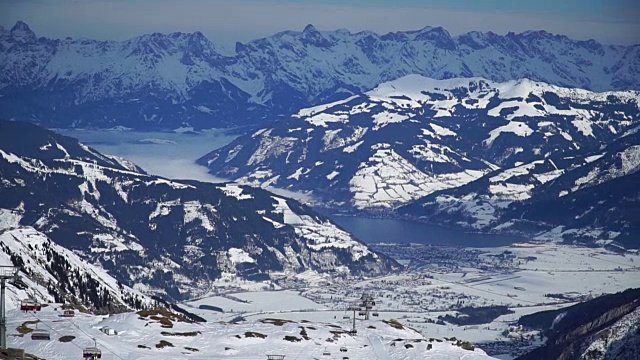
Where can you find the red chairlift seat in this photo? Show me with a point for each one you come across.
(30, 305)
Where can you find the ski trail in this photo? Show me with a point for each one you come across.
(378, 348)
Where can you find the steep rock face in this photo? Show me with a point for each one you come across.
(416, 136)
(173, 80)
(169, 237)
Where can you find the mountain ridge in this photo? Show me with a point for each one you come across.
(422, 135)
(176, 238)
(166, 81)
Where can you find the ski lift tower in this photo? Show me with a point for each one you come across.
(353, 330)
(6, 273)
(367, 304)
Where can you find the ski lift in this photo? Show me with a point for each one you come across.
(68, 313)
(362, 313)
(92, 352)
(30, 305)
(346, 317)
(326, 353)
(343, 349)
(375, 314)
(40, 334)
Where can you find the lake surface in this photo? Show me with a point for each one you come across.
(404, 231)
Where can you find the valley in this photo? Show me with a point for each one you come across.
(446, 272)
(320, 194)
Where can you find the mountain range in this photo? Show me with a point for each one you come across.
(167, 81)
(161, 237)
(468, 153)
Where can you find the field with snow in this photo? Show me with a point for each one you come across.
(440, 281)
(163, 336)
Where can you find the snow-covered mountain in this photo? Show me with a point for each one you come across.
(414, 136)
(51, 273)
(592, 198)
(178, 79)
(172, 238)
(607, 327)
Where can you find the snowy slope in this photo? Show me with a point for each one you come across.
(179, 79)
(591, 198)
(414, 136)
(160, 236)
(141, 337)
(51, 273)
(602, 328)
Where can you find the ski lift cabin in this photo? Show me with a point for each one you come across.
(92, 352)
(30, 305)
(40, 334)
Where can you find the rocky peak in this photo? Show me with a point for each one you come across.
(438, 35)
(311, 36)
(22, 33)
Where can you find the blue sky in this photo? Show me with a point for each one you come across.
(227, 21)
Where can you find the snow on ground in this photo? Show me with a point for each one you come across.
(233, 190)
(320, 234)
(145, 337)
(386, 179)
(515, 127)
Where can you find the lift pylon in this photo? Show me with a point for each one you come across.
(6, 273)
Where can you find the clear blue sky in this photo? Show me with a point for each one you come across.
(226, 21)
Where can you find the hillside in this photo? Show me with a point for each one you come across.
(415, 136)
(606, 327)
(164, 237)
(592, 198)
(165, 336)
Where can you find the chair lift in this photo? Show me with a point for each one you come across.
(92, 352)
(30, 304)
(375, 314)
(40, 334)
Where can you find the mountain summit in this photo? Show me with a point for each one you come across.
(166, 81)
